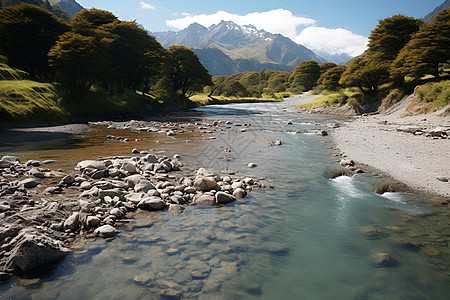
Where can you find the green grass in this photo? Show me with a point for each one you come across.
(203, 99)
(430, 97)
(332, 98)
(8, 73)
(24, 100)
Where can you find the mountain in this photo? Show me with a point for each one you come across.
(72, 7)
(339, 59)
(65, 9)
(227, 48)
(428, 18)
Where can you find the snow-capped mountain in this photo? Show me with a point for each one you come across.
(228, 48)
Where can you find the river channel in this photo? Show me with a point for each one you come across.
(310, 237)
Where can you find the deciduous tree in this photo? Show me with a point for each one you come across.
(305, 74)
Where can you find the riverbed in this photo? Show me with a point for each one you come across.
(310, 237)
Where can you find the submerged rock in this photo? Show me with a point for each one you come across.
(224, 198)
(106, 231)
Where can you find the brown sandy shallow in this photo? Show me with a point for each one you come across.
(416, 160)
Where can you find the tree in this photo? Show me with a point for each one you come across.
(330, 79)
(185, 70)
(134, 56)
(79, 61)
(427, 51)
(366, 73)
(326, 66)
(391, 35)
(88, 20)
(27, 33)
(305, 74)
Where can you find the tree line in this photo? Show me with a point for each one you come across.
(96, 50)
(399, 47)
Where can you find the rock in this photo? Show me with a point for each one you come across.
(151, 204)
(150, 158)
(85, 185)
(409, 129)
(98, 174)
(135, 151)
(111, 193)
(237, 184)
(68, 179)
(36, 173)
(205, 200)
(106, 231)
(4, 276)
(92, 164)
(4, 207)
(323, 133)
(117, 213)
(443, 179)
(249, 181)
(33, 163)
(5, 164)
(34, 250)
(252, 165)
(47, 161)
(129, 168)
(113, 172)
(72, 222)
(384, 260)
(133, 180)
(346, 162)
(143, 186)
(289, 122)
(175, 209)
(224, 198)
(11, 159)
(29, 183)
(438, 132)
(205, 184)
(134, 198)
(171, 133)
(239, 193)
(92, 221)
(337, 173)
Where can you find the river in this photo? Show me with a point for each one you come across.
(310, 237)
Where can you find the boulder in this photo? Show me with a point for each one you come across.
(133, 180)
(53, 190)
(36, 173)
(239, 193)
(68, 179)
(106, 231)
(144, 186)
(72, 222)
(29, 183)
(205, 184)
(11, 159)
(34, 250)
(117, 213)
(224, 198)
(205, 200)
(346, 162)
(91, 164)
(134, 198)
(150, 158)
(151, 204)
(128, 168)
(85, 185)
(92, 221)
(252, 165)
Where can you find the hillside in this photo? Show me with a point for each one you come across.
(227, 48)
(428, 18)
(70, 6)
(65, 9)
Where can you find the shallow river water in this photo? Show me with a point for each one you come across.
(309, 237)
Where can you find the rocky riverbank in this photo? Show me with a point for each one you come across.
(43, 211)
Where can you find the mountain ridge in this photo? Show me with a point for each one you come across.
(247, 48)
(429, 17)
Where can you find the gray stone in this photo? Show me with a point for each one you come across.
(29, 183)
(33, 163)
(252, 165)
(346, 162)
(36, 173)
(68, 179)
(239, 193)
(72, 222)
(92, 221)
(134, 198)
(205, 184)
(117, 213)
(111, 193)
(144, 186)
(106, 231)
(135, 151)
(85, 185)
(53, 190)
(205, 200)
(11, 159)
(442, 178)
(224, 198)
(35, 250)
(133, 180)
(175, 209)
(150, 158)
(129, 168)
(113, 172)
(92, 164)
(151, 204)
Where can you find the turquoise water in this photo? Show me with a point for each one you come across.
(308, 238)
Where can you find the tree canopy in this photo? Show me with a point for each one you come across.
(27, 33)
(427, 51)
(305, 74)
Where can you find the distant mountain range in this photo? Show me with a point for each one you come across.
(227, 48)
(65, 9)
(428, 18)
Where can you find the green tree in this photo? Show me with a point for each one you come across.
(366, 73)
(330, 79)
(185, 70)
(305, 74)
(79, 61)
(27, 33)
(87, 21)
(326, 66)
(428, 50)
(391, 35)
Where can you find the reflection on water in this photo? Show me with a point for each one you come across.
(309, 238)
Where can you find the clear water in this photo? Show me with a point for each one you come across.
(308, 238)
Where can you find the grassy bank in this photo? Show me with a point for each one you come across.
(430, 97)
(203, 99)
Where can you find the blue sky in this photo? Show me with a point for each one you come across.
(330, 25)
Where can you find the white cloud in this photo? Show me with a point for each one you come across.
(145, 5)
(274, 21)
(332, 41)
(284, 22)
